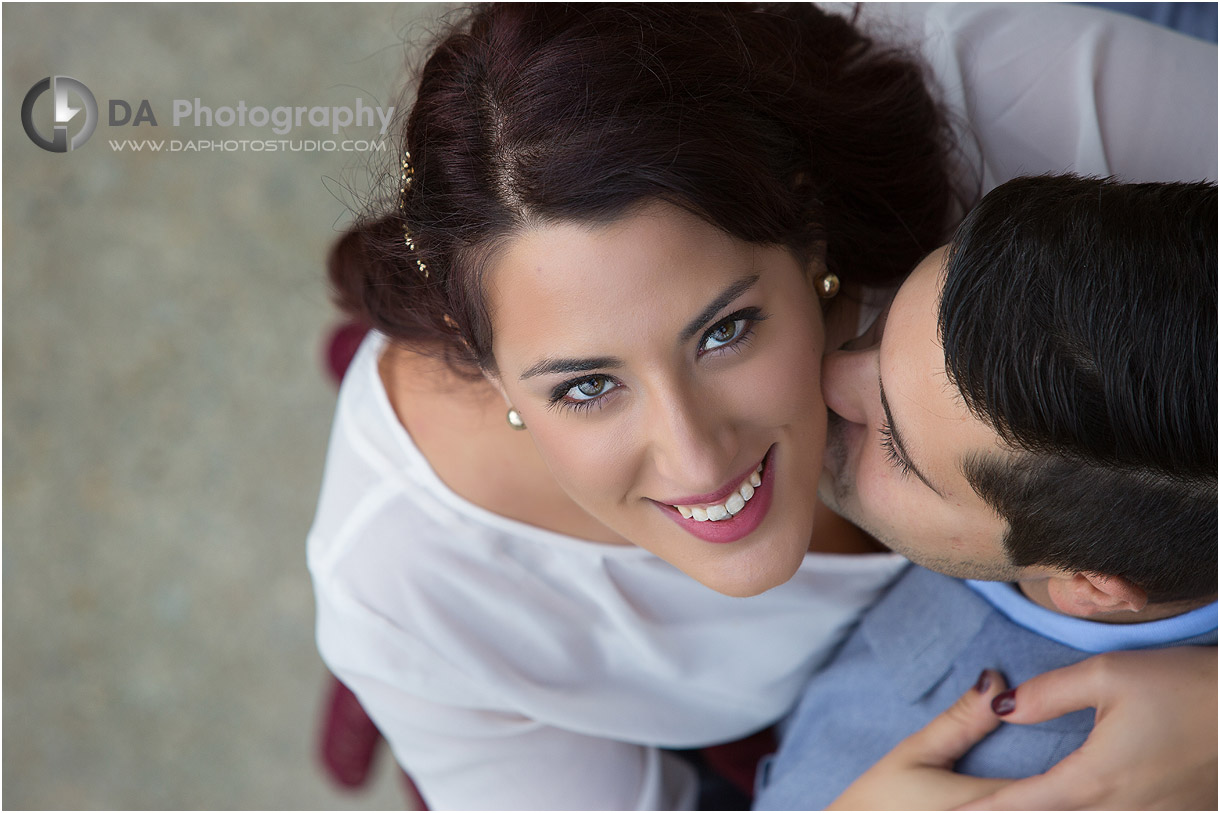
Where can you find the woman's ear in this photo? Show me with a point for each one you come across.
(494, 379)
(815, 264)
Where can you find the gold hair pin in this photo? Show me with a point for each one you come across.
(408, 175)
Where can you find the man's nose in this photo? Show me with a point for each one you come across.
(849, 382)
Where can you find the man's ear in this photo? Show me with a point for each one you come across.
(1088, 594)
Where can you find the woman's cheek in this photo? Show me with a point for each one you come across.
(589, 459)
(789, 380)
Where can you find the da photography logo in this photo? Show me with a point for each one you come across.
(63, 89)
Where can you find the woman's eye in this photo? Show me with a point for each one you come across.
(583, 393)
(724, 333)
(590, 388)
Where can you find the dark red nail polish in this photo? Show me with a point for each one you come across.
(1004, 703)
(984, 682)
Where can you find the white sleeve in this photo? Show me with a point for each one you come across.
(465, 751)
(470, 759)
(1056, 87)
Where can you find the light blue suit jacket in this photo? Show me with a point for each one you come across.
(914, 653)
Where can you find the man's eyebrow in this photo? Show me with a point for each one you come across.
(899, 446)
(550, 366)
(716, 305)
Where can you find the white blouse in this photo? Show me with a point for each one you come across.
(511, 667)
(1050, 87)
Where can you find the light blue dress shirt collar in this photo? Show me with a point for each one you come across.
(1092, 636)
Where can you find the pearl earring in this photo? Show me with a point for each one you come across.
(827, 285)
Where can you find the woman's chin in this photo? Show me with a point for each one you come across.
(739, 589)
(746, 576)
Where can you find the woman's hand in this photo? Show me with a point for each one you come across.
(1152, 747)
(918, 773)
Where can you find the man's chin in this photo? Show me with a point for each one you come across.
(837, 498)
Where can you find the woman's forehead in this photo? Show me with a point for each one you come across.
(579, 284)
(651, 251)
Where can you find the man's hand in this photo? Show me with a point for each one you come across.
(918, 773)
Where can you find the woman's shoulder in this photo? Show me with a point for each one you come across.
(450, 420)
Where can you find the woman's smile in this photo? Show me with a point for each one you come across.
(741, 487)
(730, 515)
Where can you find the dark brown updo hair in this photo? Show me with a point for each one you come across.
(778, 124)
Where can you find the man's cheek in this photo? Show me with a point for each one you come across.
(878, 485)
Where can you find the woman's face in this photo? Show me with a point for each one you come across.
(658, 363)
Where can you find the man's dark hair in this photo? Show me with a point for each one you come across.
(1079, 321)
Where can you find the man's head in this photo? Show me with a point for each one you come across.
(1039, 404)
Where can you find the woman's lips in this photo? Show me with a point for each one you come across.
(719, 495)
(739, 524)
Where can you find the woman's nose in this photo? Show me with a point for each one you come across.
(849, 382)
(694, 443)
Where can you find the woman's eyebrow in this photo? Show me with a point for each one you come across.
(548, 366)
(728, 294)
(716, 305)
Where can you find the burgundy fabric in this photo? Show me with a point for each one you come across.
(341, 347)
(738, 761)
(349, 738)
(348, 744)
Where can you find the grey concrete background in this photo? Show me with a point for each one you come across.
(165, 410)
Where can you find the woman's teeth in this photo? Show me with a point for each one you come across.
(733, 505)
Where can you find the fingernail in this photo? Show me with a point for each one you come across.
(1004, 703)
(984, 682)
